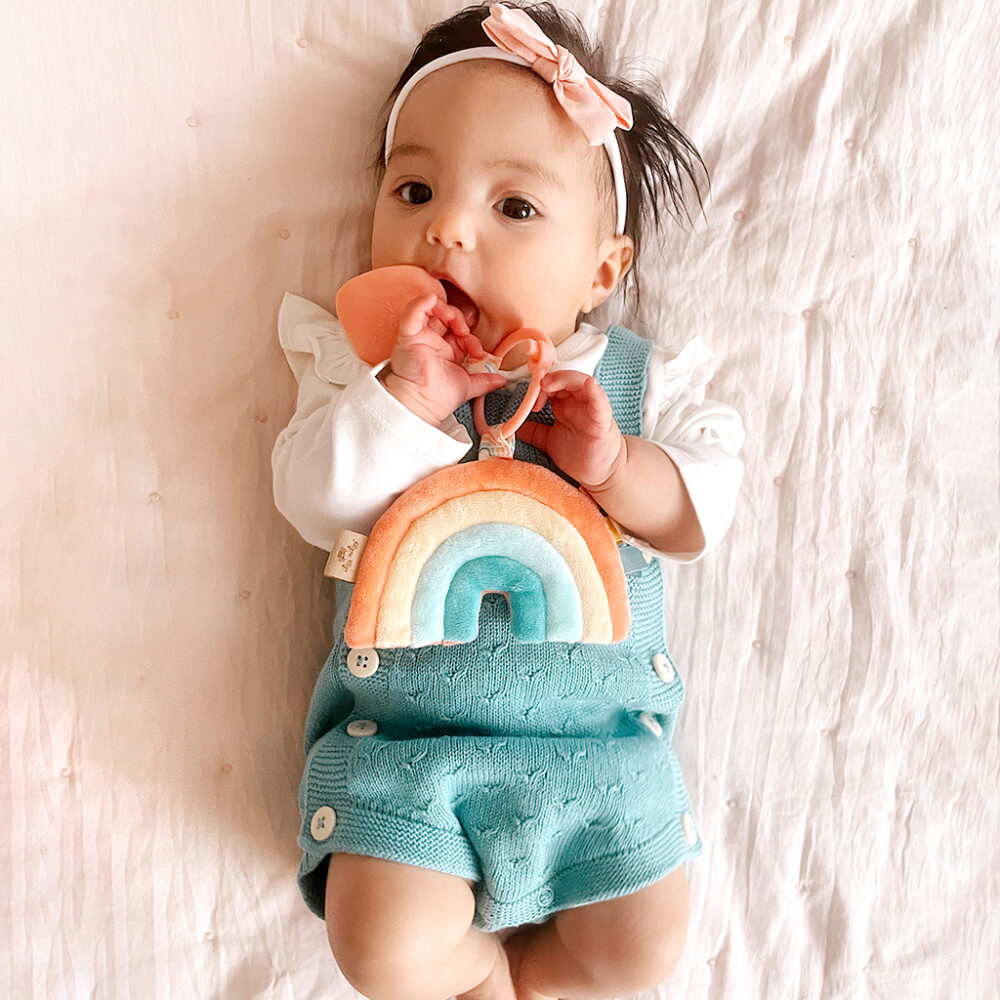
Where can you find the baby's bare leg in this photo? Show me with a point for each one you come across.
(609, 949)
(399, 932)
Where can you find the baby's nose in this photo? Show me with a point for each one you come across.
(451, 228)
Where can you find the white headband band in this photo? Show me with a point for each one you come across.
(491, 52)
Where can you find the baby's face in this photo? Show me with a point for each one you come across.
(462, 195)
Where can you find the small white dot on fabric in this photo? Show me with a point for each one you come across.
(738, 216)
(209, 935)
(875, 410)
(849, 143)
(731, 803)
(756, 644)
(66, 772)
(824, 732)
(192, 122)
(807, 313)
(711, 963)
(302, 43)
(778, 480)
(912, 242)
(850, 574)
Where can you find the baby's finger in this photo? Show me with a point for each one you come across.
(436, 326)
(456, 333)
(481, 383)
(472, 345)
(415, 315)
(451, 317)
(535, 433)
(565, 380)
(560, 384)
(580, 393)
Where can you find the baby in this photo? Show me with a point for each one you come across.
(454, 791)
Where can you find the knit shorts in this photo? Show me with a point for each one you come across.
(545, 772)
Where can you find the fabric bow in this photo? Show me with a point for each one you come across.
(597, 110)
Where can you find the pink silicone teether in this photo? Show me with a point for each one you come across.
(369, 306)
(498, 441)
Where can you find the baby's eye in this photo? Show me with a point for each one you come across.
(418, 199)
(520, 209)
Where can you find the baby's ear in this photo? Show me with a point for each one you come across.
(614, 261)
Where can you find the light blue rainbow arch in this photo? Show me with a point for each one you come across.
(502, 557)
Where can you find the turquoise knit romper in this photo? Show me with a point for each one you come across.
(544, 771)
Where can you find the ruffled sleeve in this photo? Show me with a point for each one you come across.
(701, 436)
(350, 448)
(314, 339)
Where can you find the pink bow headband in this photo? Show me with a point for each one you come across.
(597, 110)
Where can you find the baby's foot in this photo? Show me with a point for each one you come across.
(497, 985)
(515, 946)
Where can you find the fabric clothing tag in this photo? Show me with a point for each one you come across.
(345, 555)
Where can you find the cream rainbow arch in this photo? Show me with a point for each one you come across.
(492, 525)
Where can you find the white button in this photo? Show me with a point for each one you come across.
(662, 666)
(361, 727)
(362, 662)
(650, 722)
(323, 822)
(690, 833)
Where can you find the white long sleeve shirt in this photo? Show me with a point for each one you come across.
(351, 447)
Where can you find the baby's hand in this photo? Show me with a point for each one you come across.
(585, 441)
(425, 371)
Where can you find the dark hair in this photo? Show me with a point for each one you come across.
(654, 151)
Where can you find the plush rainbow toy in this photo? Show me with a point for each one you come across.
(496, 525)
(493, 525)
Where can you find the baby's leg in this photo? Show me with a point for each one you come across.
(399, 932)
(609, 949)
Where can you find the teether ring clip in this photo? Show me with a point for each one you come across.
(498, 442)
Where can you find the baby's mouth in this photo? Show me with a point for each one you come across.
(462, 302)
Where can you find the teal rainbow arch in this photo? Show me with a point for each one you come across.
(496, 556)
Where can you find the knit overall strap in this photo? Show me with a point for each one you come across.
(622, 373)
